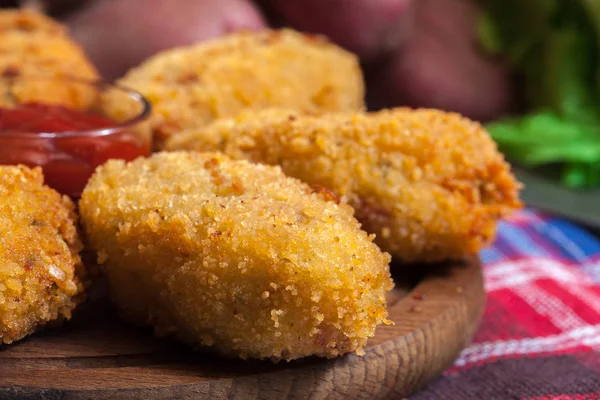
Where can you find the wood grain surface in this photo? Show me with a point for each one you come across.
(95, 356)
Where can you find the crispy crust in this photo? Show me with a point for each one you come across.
(32, 44)
(191, 86)
(29, 21)
(40, 269)
(235, 255)
(431, 185)
(33, 54)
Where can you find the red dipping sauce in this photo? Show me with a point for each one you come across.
(67, 143)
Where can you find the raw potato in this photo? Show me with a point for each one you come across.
(192, 86)
(442, 67)
(40, 269)
(431, 185)
(138, 30)
(235, 255)
(369, 28)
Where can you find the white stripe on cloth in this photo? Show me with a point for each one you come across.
(586, 335)
(590, 298)
(592, 269)
(551, 307)
(513, 273)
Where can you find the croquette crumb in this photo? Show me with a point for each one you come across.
(263, 277)
(25, 20)
(33, 44)
(246, 70)
(429, 184)
(40, 269)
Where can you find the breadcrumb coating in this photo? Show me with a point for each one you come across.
(191, 86)
(235, 255)
(40, 269)
(430, 184)
(25, 20)
(31, 53)
(32, 44)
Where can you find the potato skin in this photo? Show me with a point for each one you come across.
(41, 273)
(441, 66)
(192, 86)
(234, 255)
(429, 184)
(369, 28)
(139, 30)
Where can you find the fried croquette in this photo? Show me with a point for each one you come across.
(33, 45)
(191, 86)
(431, 185)
(235, 255)
(41, 273)
(31, 54)
(25, 20)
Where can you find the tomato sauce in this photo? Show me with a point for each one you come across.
(70, 159)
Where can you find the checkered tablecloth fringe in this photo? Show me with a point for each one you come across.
(540, 334)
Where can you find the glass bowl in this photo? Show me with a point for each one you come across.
(68, 127)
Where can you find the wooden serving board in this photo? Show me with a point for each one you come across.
(96, 356)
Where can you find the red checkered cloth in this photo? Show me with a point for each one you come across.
(540, 334)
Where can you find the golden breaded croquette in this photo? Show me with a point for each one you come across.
(235, 255)
(40, 269)
(430, 184)
(25, 20)
(32, 44)
(191, 86)
(34, 54)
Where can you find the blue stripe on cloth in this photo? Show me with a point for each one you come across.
(501, 249)
(491, 255)
(574, 242)
(520, 241)
(541, 237)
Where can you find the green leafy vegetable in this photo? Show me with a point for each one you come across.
(554, 45)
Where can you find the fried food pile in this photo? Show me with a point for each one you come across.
(41, 274)
(32, 44)
(429, 184)
(264, 225)
(192, 86)
(235, 255)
